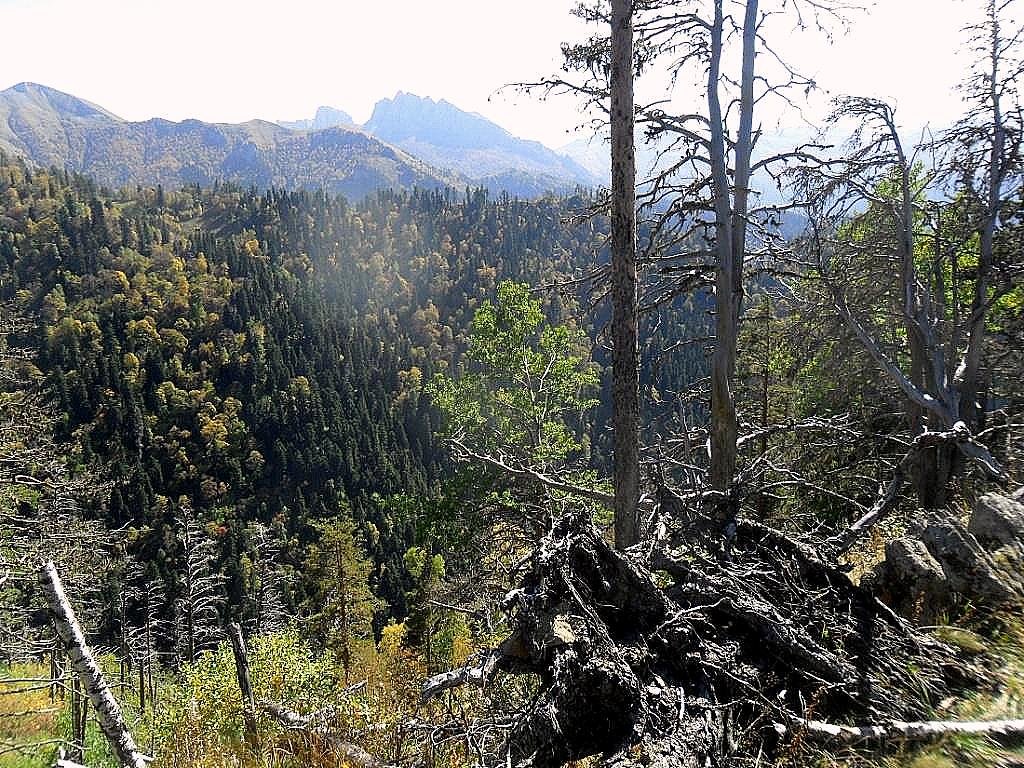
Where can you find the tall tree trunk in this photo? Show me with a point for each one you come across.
(933, 467)
(730, 248)
(625, 356)
(723, 408)
(70, 632)
(970, 383)
(744, 148)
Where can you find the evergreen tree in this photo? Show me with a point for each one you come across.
(340, 607)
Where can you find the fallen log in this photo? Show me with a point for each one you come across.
(892, 730)
(287, 717)
(63, 762)
(349, 753)
(506, 657)
(108, 711)
(475, 674)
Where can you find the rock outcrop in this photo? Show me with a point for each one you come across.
(945, 562)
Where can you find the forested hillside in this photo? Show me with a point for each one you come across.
(409, 142)
(48, 127)
(673, 474)
(259, 357)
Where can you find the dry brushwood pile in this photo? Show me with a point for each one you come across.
(703, 651)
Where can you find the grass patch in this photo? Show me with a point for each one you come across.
(964, 639)
(33, 727)
(1003, 637)
(28, 719)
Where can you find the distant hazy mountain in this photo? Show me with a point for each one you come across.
(52, 128)
(48, 126)
(481, 151)
(593, 153)
(326, 117)
(409, 141)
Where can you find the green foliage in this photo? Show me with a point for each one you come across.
(439, 635)
(260, 353)
(527, 383)
(199, 721)
(263, 354)
(26, 717)
(340, 606)
(427, 574)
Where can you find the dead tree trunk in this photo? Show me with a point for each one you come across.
(896, 729)
(241, 654)
(993, 204)
(625, 350)
(79, 714)
(723, 406)
(70, 632)
(142, 685)
(730, 207)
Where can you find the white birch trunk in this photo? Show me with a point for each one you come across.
(70, 632)
(898, 729)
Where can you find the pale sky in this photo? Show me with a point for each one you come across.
(233, 60)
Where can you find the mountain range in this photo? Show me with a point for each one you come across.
(408, 142)
(473, 147)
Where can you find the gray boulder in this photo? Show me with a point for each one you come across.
(910, 580)
(998, 521)
(908, 561)
(937, 567)
(969, 568)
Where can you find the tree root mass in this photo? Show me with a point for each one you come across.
(695, 657)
